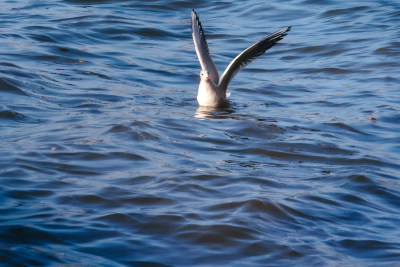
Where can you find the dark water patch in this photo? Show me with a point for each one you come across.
(70, 52)
(368, 249)
(85, 19)
(312, 49)
(351, 199)
(116, 32)
(88, 201)
(121, 219)
(170, 224)
(337, 126)
(33, 256)
(254, 206)
(12, 70)
(194, 189)
(128, 132)
(344, 11)
(127, 156)
(153, 33)
(31, 194)
(318, 148)
(136, 180)
(260, 181)
(216, 235)
(52, 59)
(88, 97)
(392, 119)
(307, 157)
(15, 174)
(323, 200)
(10, 86)
(146, 264)
(90, 107)
(9, 115)
(119, 129)
(334, 52)
(8, 65)
(88, 235)
(53, 167)
(22, 235)
(47, 38)
(89, 1)
(382, 79)
(258, 130)
(334, 70)
(386, 195)
(326, 104)
(389, 50)
(90, 156)
(91, 73)
(147, 200)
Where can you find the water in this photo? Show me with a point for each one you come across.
(106, 160)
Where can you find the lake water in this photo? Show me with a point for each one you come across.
(106, 159)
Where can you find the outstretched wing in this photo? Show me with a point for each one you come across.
(202, 51)
(249, 55)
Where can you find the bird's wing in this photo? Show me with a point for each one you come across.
(202, 51)
(249, 55)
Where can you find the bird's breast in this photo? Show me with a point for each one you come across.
(209, 95)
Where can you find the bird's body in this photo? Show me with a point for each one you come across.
(212, 88)
(210, 94)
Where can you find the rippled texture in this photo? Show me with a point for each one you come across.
(106, 160)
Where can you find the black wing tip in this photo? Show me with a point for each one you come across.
(196, 21)
(278, 35)
(284, 31)
(287, 29)
(194, 15)
(195, 18)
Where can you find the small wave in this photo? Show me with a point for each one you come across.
(334, 70)
(344, 11)
(9, 115)
(9, 86)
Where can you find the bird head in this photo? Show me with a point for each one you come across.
(204, 75)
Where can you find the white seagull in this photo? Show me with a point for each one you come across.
(212, 89)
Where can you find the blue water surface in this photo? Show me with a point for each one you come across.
(107, 160)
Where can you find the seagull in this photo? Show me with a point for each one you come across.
(212, 88)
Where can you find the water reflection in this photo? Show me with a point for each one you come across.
(203, 113)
